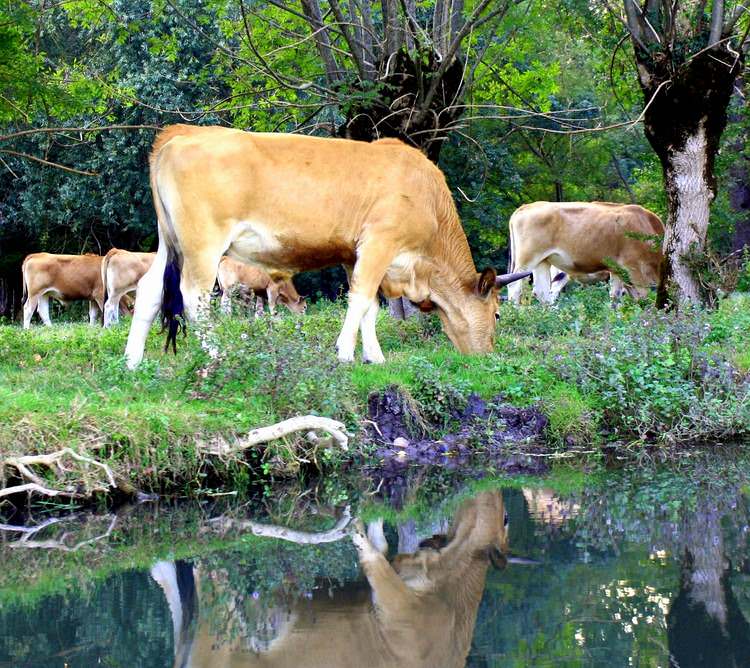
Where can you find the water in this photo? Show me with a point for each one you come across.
(625, 574)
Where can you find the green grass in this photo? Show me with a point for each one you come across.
(599, 374)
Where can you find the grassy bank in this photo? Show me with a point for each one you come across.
(630, 378)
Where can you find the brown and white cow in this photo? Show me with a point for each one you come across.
(64, 278)
(121, 270)
(291, 203)
(267, 291)
(417, 610)
(584, 238)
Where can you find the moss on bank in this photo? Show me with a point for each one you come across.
(631, 376)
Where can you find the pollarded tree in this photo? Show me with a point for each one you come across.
(687, 60)
(387, 68)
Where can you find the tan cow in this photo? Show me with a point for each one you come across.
(585, 238)
(64, 278)
(417, 611)
(232, 273)
(121, 271)
(291, 203)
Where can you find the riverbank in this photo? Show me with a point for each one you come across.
(624, 384)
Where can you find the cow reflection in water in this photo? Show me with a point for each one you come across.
(418, 610)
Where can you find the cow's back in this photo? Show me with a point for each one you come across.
(292, 203)
(68, 277)
(125, 268)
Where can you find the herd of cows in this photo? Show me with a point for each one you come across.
(254, 209)
(108, 282)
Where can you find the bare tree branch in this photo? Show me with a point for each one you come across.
(312, 15)
(49, 163)
(717, 21)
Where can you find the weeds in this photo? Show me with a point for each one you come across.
(599, 374)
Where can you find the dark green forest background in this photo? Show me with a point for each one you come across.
(529, 75)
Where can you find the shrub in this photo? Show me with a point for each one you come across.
(654, 379)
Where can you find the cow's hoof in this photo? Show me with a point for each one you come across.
(345, 353)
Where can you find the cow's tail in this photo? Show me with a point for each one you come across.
(512, 246)
(105, 264)
(172, 305)
(24, 283)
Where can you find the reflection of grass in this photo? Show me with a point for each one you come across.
(66, 385)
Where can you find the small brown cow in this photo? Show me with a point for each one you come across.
(267, 291)
(64, 278)
(583, 239)
(121, 271)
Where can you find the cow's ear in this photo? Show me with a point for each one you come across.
(486, 282)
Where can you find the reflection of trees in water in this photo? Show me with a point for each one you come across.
(705, 624)
(600, 601)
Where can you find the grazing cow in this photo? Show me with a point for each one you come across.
(419, 610)
(64, 278)
(584, 238)
(267, 291)
(291, 203)
(121, 271)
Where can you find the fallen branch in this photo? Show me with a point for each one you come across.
(59, 544)
(339, 531)
(53, 462)
(313, 423)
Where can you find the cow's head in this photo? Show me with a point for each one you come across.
(287, 295)
(479, 536)
(470, 322)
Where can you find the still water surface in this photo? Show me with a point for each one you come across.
(498, 577)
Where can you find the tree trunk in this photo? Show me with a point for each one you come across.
(689, 196)
(684, 120)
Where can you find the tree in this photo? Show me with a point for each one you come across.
(391, 68)
(687, 63)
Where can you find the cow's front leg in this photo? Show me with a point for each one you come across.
(371, 351)
(373, 260)
(358, 306)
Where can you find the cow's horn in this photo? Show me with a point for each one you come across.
(522, 561)
(505, 279)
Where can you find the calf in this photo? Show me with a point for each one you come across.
(232, 273)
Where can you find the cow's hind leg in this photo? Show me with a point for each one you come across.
(28, 310)
(43, 309)
(197, 281)
(112, 309)
(372, 262)
(516, 288)
(147, 302)
(94, 312)
(542, 283)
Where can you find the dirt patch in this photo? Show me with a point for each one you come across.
(486, 435)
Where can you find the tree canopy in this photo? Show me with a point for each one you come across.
(518, 100)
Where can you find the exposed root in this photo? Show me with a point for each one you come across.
(301, 423)
(53, 461)
(25, 541)
(339, 531)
